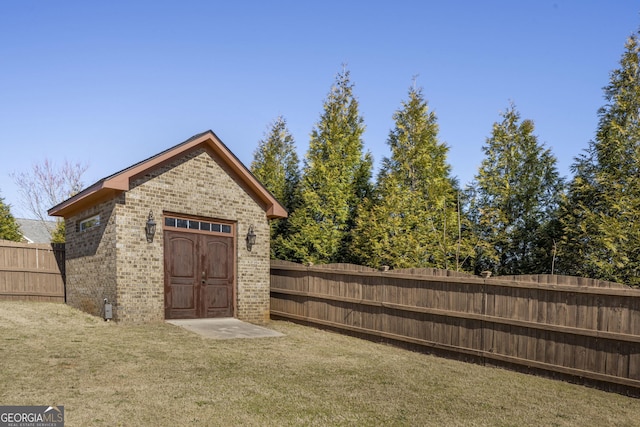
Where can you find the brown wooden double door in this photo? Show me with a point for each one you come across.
(199, 275)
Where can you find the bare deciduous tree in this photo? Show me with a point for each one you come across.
(46, 185)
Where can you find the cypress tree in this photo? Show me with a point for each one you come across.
(58, 235)
(9, 228)
(412, 221)
(601, 218)
(514, 198)
(276, 164)
(335, 179)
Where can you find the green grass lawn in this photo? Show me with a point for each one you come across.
(109, 374)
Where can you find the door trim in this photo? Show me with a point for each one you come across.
(182, 229)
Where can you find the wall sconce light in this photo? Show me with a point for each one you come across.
(150, 228)
(251, 238)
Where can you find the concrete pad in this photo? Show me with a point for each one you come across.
(224, 328)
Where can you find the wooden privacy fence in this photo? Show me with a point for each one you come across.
(31, 271)
(564, 325)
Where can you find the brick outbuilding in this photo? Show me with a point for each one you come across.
(206, 207)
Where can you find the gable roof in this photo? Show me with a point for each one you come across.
(114, 184)
(35, 230)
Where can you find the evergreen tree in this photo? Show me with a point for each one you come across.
(9, 228)
(59, 232)
(276, 165)
(413, 220)
(335, 179)
(514, 199)
(601, 219)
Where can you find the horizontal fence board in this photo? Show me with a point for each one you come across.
(437, 345)
(464, 315)
(37, 298)
(31, 272)
(561, 325)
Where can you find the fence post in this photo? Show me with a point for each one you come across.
(423, 315)
(60, 254)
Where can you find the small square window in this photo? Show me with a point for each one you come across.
(170, 222)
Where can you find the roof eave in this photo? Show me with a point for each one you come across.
(120, 181)
(91, 196)
(276, 211)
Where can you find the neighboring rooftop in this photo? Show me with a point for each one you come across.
(35, 230)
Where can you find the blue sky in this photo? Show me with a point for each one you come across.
(111, 83)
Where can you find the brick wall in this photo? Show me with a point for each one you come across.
(196, 184)
(90, 259)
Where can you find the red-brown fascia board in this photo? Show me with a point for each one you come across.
(90, 196)
(109, 187)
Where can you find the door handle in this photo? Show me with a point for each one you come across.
(204, 274)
